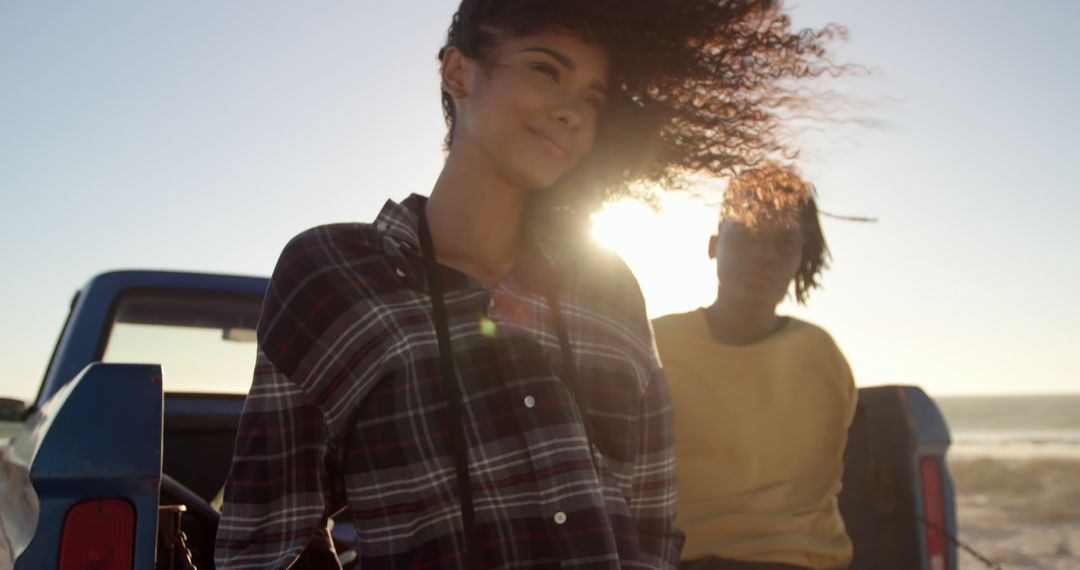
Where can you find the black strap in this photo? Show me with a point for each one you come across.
(452, 392)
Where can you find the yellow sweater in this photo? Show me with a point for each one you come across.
(759, 439)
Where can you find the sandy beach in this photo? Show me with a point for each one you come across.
(1021, 508)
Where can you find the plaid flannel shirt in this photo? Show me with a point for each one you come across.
(346, 411)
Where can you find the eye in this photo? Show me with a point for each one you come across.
(547, 69)
(596, 102)
(742, 236)
(791, 243)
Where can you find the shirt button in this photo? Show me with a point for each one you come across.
(400, 272)
(560, 517)
(491, 305)
(530, 401)
(381, 226)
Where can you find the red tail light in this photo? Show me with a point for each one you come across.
(98, 535)
(933, 504)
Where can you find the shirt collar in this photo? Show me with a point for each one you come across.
(399, 223)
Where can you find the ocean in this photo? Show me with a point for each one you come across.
(1013, 426)
(1015, 461)
(998, 424)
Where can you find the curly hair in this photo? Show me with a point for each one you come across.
(778, 193)
(698, 87)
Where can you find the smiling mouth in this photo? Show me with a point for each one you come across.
(551, 144)
(758, 279)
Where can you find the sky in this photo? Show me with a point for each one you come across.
(203, 135)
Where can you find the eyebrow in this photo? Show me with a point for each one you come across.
(565, 62)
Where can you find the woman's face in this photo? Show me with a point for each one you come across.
(530, 110)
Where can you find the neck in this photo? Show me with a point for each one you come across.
(738, 323)
(475, 219)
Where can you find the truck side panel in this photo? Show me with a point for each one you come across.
(98, 438)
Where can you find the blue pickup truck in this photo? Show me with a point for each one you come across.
(119, 461)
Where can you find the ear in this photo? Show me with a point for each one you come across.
(712, 246)
(456, 71)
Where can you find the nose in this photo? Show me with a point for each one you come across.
(765, 252)
(569, 114)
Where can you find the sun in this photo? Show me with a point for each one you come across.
(667, 249)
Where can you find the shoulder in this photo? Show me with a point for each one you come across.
(313, 263)
(604, 283)
(324, 244)
(682, 337)
(320, 275)
(611, 311)
(323, 251)
(808, 333)
(676, 322)
(603, 275)
(816, 341)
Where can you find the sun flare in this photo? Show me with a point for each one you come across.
(667, 249)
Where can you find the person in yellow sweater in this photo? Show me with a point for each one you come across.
(762, 402)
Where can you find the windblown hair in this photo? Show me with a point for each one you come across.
(697, 87)
(777, 193)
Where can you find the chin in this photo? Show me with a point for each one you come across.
(540, 178)
(539, 170)
(759, 299)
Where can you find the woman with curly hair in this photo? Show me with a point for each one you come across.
(762, 402)
(465, 377)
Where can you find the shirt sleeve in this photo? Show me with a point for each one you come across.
(653, 506)
(278, 493)
(276, 497)
(851, 392)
